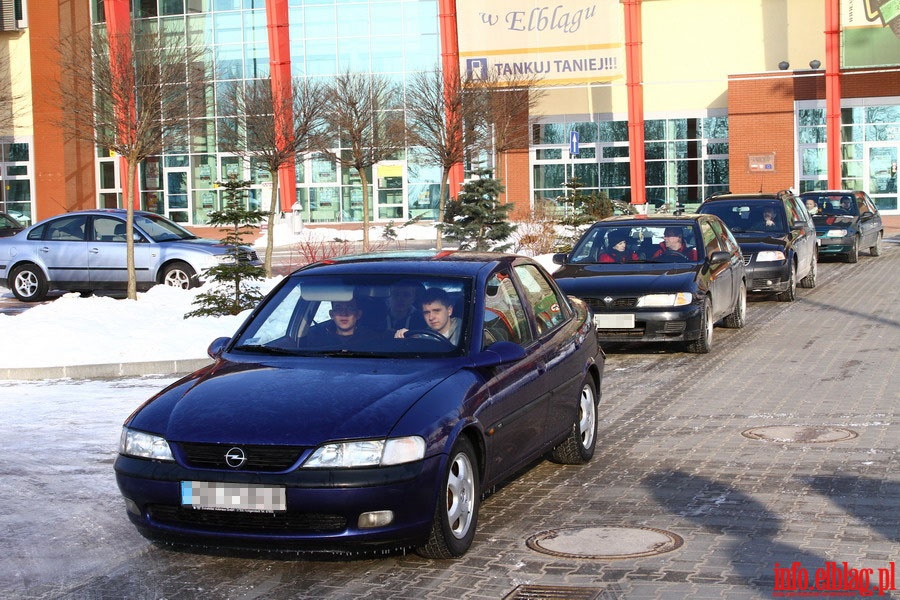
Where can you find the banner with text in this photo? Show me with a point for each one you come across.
(562, 42)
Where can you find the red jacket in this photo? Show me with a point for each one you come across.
(612, 256)
(690, 253)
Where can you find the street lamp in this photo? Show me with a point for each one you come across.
(814, 64)
(784, 65)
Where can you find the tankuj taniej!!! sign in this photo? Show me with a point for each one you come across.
(563, 42)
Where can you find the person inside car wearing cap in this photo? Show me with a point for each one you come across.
(616, 250)
(673, 247)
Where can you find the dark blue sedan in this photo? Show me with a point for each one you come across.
(368, 402)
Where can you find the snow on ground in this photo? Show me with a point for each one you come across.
(72, 330)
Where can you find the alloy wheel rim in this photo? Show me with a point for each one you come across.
(460, 496)
(588, 416)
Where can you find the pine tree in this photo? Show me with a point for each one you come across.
(476, 219)
(233, 283)
(583, 209)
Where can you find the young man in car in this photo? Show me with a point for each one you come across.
(673, 246)
(343, 327)
(437, 309)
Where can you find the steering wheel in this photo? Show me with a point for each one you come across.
(678, 256)
(425, 333)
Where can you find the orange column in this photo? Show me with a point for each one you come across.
(634, 83)
(833, 91)
(450, 68)
(281, 79)
(118, 25)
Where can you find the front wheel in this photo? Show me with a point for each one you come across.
(853, 255)
(809, 281)
(703, 344)
(738, 316)
(876, 249)
(790, 293)
(28, 283)
(456, 515)
(578, 448)
(179, 274)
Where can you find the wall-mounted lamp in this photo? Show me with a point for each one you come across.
(814, 64)
(784, 65)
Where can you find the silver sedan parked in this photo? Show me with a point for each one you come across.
(85, 251)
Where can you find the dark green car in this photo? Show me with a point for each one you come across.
(846, 221)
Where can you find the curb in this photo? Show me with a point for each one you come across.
(106, 371)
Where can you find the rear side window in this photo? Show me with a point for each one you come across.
(66, 229)
(548, 307)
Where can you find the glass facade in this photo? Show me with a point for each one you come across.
(686, 159)
(328, 37)
(870, 148)
(16, 175)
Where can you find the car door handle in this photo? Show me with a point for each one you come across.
(94, 250)
(45, 249)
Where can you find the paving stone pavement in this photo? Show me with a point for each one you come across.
(672, 456)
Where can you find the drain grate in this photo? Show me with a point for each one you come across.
(606, 543)
(554, 592)
(800, 434)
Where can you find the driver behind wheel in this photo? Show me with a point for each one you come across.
(437, 309)
(673, 246)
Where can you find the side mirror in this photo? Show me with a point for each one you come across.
(719, 256)
(498, 353)
(217, 347)
(560, 258)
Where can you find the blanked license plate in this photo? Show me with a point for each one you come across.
(210, 495)
(618, 321)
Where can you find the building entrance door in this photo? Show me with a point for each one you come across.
(881, 164)
(177, 195)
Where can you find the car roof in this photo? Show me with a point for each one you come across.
(760, 196)
(651, 220)
(412, 262)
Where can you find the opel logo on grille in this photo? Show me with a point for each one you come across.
(608, 300)
(235, 458)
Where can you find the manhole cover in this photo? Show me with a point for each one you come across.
(605, 542)
(800, 434)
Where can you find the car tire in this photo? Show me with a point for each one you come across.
(578, 447)
(809, 281)
(28, 283)
(790, 294)
(703, 344)
(737, 318)
(853, 255)
(179, 274)
(876, 249)
(456, 515)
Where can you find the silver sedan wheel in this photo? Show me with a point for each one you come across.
(460, 495)
(587, 417)
(26, 283)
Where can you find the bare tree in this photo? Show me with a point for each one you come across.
(131, 94)
(444, 122)
(272, 129)
(508, 103)
(10, 108)
(363, 112)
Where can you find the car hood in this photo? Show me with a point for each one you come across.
(642, 278)
(211, 246)
(309, 401)
(754, 241)
(826, 222)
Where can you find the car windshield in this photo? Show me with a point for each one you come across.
(160, 229)
(360, 315)
(637, 243)
(833, 204)
(749, 217)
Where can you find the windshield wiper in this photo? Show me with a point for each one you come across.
(264, 349)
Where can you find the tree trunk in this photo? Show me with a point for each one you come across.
(127, 192)
(270, 237)
(365, 202)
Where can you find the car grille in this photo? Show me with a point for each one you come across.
(259, 458)
(747, 258)
(608, 334)
(248, 257)
(221, 520)
(598, 305)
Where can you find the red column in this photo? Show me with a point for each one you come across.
(634, 83)
(118, 25)
(833, 91)
(280, 65)
(450, 68)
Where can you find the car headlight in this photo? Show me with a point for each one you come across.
(657, 300)
(837, 233)
(225, 259)
(144, 445)
(770, 256)
(367, 453)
